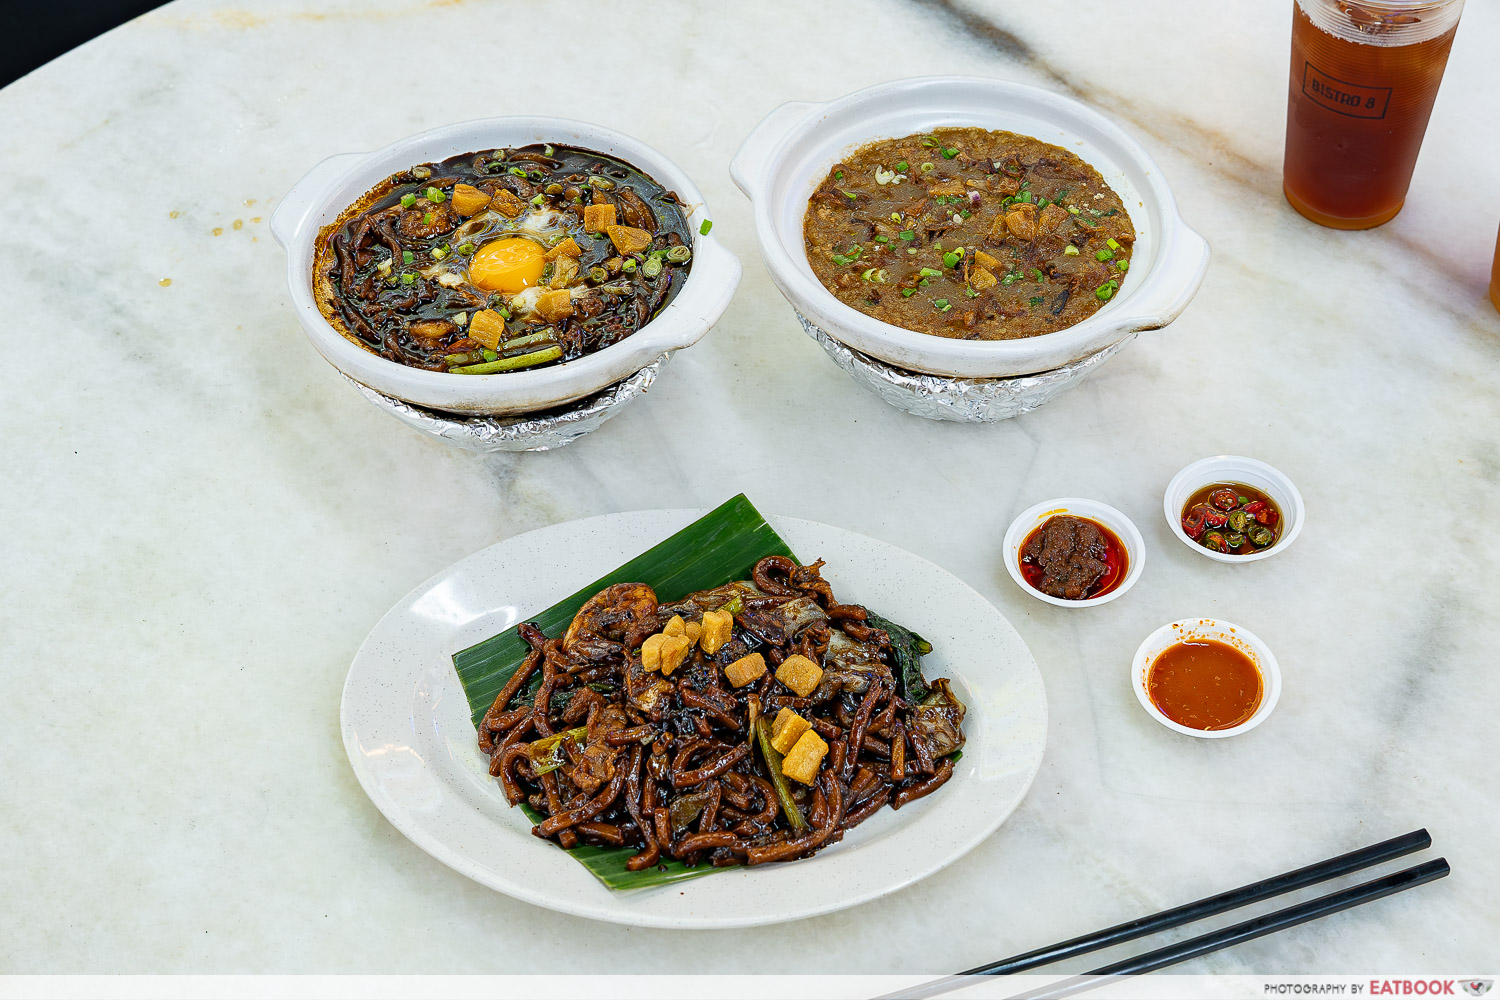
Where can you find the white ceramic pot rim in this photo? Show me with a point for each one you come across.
(1150, 298)
(1209, 628)
(1234, 468)
(1103, 513)
(332, 185)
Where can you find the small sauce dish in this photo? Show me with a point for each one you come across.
(1101, 514)
(1210, 632)
(1235, 469)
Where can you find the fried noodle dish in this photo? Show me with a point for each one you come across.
(758, 721)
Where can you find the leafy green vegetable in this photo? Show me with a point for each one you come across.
(910, 648)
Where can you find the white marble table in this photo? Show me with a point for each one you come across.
(202, 520)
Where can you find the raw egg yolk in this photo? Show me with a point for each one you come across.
(508, 265)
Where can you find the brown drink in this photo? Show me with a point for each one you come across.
(1363, 79)
(1495, 276)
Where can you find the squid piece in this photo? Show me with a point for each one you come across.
(616, 618)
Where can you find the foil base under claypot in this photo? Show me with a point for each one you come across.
(965, 400)
(542, 431)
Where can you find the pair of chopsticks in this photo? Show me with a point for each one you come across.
(1225, 937)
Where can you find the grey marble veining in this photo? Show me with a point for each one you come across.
(202, 520)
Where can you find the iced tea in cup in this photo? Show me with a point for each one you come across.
(1495, 275)
(1364, 75)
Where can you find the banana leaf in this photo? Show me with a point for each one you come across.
(724, 544)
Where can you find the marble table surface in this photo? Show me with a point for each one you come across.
(202, 519)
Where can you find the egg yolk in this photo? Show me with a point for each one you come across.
(508, 265)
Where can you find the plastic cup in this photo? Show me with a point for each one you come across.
(1364, 75)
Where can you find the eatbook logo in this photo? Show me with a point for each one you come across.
(1477, 987)
(1345, 98)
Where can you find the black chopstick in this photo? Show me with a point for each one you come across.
(1291, 916)
(1177, 916)
(1417, 840)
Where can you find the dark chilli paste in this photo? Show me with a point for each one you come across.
(1233, 518)
(502, 259)
(1074, 558)
(968, 233)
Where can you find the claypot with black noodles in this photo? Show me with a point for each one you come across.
(336, 183)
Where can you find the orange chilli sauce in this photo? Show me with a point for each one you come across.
(1205, 684)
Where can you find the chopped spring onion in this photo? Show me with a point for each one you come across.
(838, 175)
(970, 292)
(540, 337)
(466, 248)
(435, 196)
(908, 292)
(408, 200)
(949, 153)
(929, 272)
(901, 167)
(927, 168)
(851, 195)
(1123, 265)
(909, 234)
(539, 200)
(407, 257)
(629, 264)
(1035, 301)
(942, 305)
(1112, 243)
(1104, 255)
(426, 218)
(652, 267)
(679, 255)
(929, 142)
(511, 364)
(408, 278)
(517, 171)
(707, 225)
(952, 258)
(1070, 250)
(895, 216)
(1106, 290)
(882, 239)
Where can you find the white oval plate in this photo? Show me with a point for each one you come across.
(409, 736)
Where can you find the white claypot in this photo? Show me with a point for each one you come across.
(331, 186)
(782, 161)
